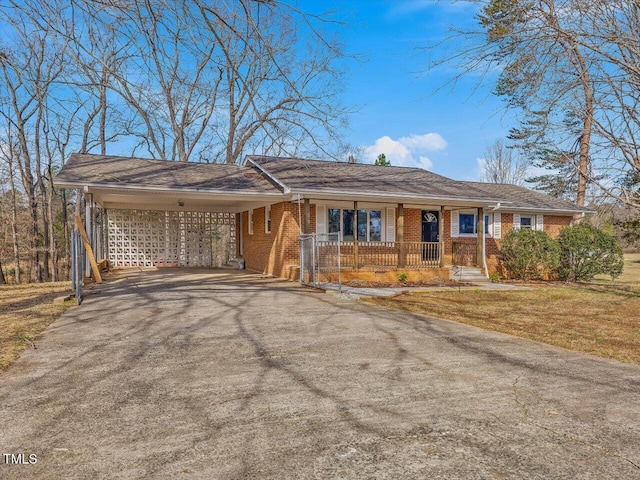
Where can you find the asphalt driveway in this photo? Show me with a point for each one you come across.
(216, 374)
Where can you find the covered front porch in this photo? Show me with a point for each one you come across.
(327, 256)
(414, 236)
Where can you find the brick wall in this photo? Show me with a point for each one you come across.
(276, 253)
(412, 224)
(552, 224)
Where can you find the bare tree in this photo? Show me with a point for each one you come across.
(610, 32)
(572, 70)
(209, 80)
(543, 73)
(504, 165)
(182, 80)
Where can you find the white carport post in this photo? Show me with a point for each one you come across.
(88, 219)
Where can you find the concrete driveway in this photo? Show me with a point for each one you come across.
(216, 374)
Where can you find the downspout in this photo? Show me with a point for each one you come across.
(299, 215)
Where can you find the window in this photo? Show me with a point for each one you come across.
(347, 225)
(469, 224)
(368, 224)
(526, 222)
(375, 225)
(250, 222)
(334, 220)
(267, 219)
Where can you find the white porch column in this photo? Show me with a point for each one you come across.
(480, 260)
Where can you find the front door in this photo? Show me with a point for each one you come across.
(430, 233)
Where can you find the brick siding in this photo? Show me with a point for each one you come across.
(277, 253)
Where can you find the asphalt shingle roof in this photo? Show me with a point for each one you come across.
(524, 198)
(297, 174)
(113, 171)
(367, 179)
(364, 178)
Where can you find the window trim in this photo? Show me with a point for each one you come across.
(267, 219)
(532, 219)
(383, 232)
(488, 231)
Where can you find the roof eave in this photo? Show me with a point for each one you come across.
(397, 197)
(160, 189)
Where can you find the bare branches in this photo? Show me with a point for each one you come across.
(504, 165)
(571, 68)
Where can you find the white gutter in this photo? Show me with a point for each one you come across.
(330, 194)
(169, 190)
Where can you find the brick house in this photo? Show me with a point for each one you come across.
(386, 219)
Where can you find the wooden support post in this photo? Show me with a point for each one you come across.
(87, 246)
(355, 234)
(441, 235)
(480, 249)
(400, 236)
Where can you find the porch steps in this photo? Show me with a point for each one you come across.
(468, 275)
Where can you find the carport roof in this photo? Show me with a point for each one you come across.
(126, 172)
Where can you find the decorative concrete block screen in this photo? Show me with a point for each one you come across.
(143, 238)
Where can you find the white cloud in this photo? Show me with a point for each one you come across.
(407, 151)
(425, 162)
(428, 141)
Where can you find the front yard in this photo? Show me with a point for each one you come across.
(600, 318)
(26, 310)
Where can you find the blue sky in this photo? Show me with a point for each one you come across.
(402, 113)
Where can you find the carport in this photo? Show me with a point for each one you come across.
(144, 213)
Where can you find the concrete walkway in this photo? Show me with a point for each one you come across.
(223, 375)
(356, 292)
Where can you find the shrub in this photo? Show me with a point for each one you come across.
(402, 277)
(495, 277)
(529, 255)
(586, 251)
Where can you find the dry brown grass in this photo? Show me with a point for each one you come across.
(26, 310)
(602, 318)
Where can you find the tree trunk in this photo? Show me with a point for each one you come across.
(14, 227)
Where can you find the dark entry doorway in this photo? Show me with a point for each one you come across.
(430, 226)
(430, 233)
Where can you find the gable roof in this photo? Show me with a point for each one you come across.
(277, 177)
(127, 172)
(314, 176)
(526, 199)
(301, 175)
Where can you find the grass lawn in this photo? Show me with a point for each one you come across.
(600, 318)
(26, 310)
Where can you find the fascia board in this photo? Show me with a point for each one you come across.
(165, 190)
